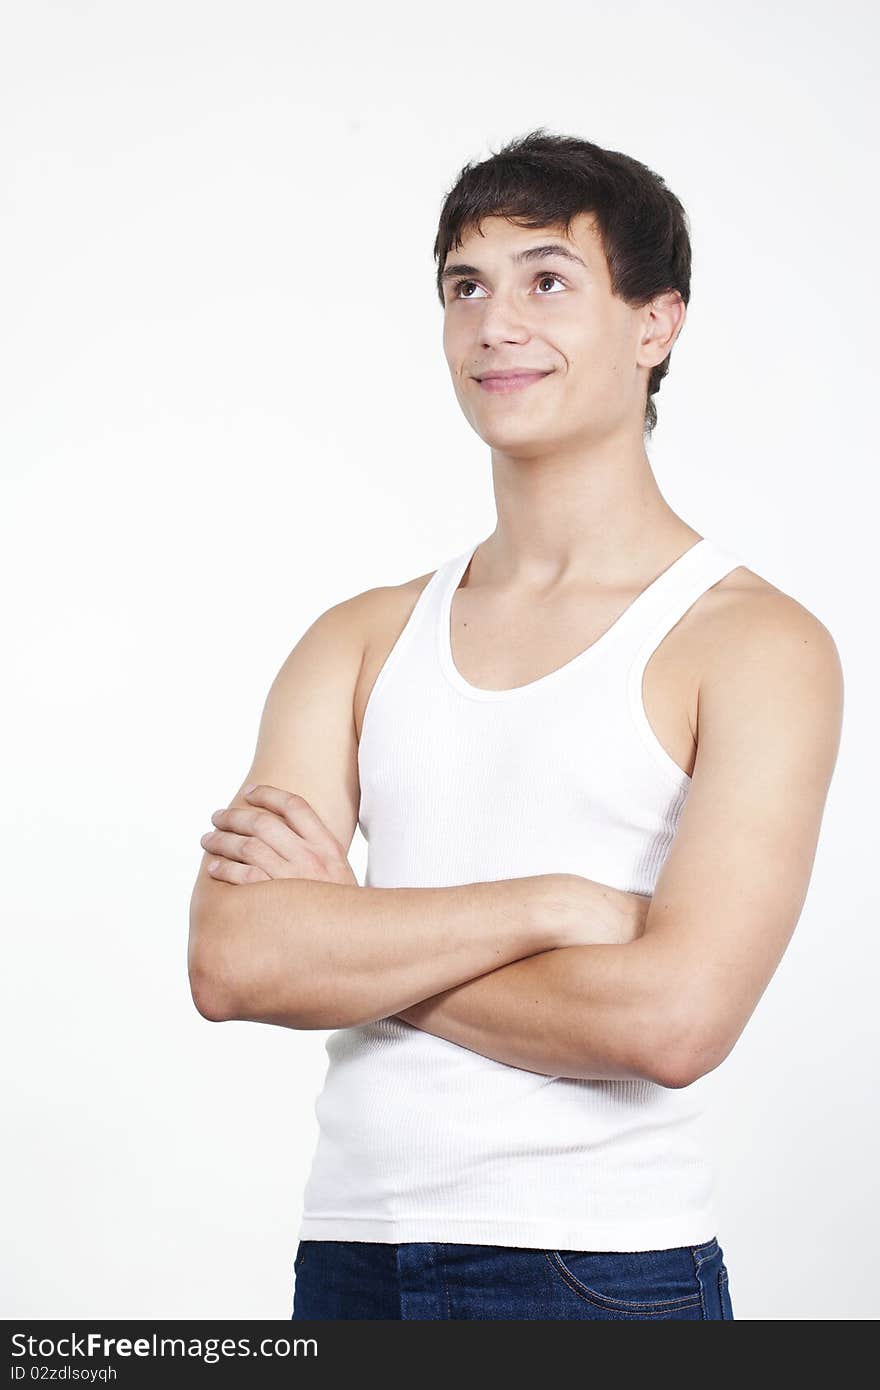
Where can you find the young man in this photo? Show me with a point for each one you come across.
(590, 755)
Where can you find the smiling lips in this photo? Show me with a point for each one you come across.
(510, 381)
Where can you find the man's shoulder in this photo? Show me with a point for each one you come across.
(751, 610)
(760, 637)
(357, 634)
(369, 615)
(370, 623)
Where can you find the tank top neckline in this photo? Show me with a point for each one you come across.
(606, 640)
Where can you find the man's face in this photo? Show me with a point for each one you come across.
(547, 313)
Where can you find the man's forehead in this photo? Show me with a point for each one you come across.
(504, 235)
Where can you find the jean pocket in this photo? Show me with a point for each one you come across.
(641, 1283)
(300, 1254)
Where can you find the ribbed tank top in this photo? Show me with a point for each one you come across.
(421, 1139)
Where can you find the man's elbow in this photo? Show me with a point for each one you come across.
(212, 998)
(225, 988)
(232, 978)
(209, 968)
(681, 1054)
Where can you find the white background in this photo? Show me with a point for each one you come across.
(225, 407)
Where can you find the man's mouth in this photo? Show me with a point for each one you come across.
(510, 381)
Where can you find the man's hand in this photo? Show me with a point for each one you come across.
(636, 917)
(582, 912)
(278, 835)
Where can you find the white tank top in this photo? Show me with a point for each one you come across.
(421, 1139)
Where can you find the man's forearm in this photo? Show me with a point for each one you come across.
(307, 953)
(595, 1012)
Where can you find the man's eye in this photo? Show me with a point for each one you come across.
(458, 285)
(548, 275)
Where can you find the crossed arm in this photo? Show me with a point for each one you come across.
(726, 901)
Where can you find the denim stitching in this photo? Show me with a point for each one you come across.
(697, 1265)
(446, 1281)
(711, 1254)
(615, 1304)
(710, 1250)
(722, 1289)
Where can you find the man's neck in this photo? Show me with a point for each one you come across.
(593, 515)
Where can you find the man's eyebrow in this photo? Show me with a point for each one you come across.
(532, 253)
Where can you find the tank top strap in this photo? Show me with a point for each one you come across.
(647, 619)
(625, 645)
(417, 636)
(659, 607)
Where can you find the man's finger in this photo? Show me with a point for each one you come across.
(229, 871)
(298, 814)
(245, 849)
(262, 823)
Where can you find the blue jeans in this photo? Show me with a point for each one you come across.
(420, 1279)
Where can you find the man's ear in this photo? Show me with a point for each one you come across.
(663, 321)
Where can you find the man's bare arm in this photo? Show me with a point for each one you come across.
(726, 901)
(588, 1011)
(308, 953)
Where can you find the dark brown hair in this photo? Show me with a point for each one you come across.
(544, 180)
